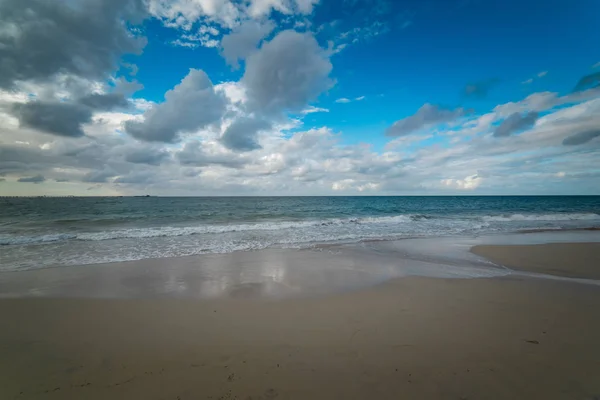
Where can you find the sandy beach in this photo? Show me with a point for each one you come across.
(575, 260)
(510, 337)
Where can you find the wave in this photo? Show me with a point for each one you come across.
(411, 223)
(170, 231)
(542, 217)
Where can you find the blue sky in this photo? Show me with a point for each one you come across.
(330, 97)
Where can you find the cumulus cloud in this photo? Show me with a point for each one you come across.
(193, 154)
(480, 89)
(243, 41)
(64, 119)
(40, 39)
(514, 123)
(191, 105)
(241, 134)
(427, 115)
(32, 179)
(150, 156)
(287, 73)
(104, 101)
(581, 137)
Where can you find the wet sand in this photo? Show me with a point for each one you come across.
(508, 337)
(574, 260)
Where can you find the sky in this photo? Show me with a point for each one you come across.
(299, 97)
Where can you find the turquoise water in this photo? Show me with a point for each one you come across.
(41, 232)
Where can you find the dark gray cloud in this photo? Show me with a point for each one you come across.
(192, 154)
(40, 39)
(241, 134)
(286, 73)
(427, 115)
(581, 137)
(104, 102)
(191, 105)
(64, 119)
(590, 81)
(243, 41)
(32, 179)
(516, 122)
(146, 156)
(99, 176)
(480, 89)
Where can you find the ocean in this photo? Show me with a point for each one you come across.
(48, 232)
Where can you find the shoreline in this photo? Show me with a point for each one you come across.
(284, 273)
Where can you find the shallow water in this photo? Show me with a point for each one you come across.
(48, 232)
(281, 273)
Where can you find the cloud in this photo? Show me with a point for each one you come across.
(260, 8)
(542, 101)
(542, 74)
(591, 81)
(40, 39)
(99, 176)
(514, 123)
(64, 119)
(241, 134)
(104, 102)
(480, 89)
(184, 13)
(189, 106)
(195, 155)
(469, 183)
(597, 65)
(150, 156)
(242, 41)
(528, 81)
(32, 179)
(287, 73)
(137, 177)
(427, 115)
(581, 137)
(346, 100)
(206, 36)
(313, 109)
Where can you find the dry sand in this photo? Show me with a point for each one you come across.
(574, 260)
(411, 338)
